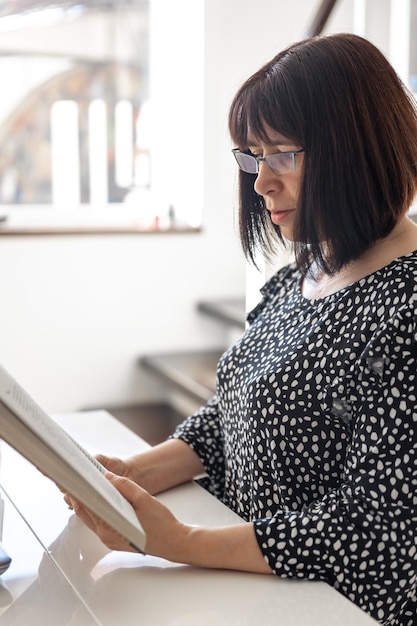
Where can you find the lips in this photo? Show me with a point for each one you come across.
(281, 211)
(278, 216)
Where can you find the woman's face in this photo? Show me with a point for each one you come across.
(279, 191)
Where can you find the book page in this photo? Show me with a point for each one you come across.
(27, 411)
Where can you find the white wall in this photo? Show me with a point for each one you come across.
(77, 312)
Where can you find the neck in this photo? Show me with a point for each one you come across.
(401, 241)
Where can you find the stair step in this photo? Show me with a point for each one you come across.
(229, 311)
(194, 373)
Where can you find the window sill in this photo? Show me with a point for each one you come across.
(96, 229)
(116, 220)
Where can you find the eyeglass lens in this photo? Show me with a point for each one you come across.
(281, 162)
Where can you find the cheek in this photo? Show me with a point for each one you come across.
(296, 187)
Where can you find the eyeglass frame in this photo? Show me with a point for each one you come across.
(259, 159)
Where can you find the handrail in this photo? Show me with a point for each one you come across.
(321, 17)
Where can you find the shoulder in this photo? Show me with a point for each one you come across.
(406, 265)
(396, 285)
(394, 295)
(285, 279)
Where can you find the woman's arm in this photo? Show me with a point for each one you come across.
(166, 465)
(179, 459)
(230, 547)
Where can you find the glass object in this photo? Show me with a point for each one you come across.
(280, 162)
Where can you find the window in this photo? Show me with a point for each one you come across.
(79, 146)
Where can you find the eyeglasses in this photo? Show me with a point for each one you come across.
(279, 163)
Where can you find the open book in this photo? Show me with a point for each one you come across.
(30, 431)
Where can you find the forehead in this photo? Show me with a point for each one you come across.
(267, 136)
(270, 138)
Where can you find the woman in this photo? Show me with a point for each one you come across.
(311, 437)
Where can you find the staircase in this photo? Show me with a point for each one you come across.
(190, 377)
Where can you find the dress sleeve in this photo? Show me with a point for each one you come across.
(203, 433)
(362, 536)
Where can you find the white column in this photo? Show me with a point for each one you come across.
(399, 39)
(123, 143)
(97, 153)
(359, 17)
(65, 154)
(177, 96)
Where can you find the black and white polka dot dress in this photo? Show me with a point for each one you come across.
(312, 435)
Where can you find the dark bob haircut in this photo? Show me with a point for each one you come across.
(339, 99)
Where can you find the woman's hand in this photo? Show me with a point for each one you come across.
(161, 467)
(157, 469)
(163, 531)
(129, 468)
(231, 547)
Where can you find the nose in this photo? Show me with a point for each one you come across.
(266, 181)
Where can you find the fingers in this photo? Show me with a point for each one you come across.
(108, 535)
(111, 538)
(115, 465)
(67, 500)
(103, 459)
(130, 490)
(92, 521)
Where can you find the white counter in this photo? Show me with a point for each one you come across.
(61, 574)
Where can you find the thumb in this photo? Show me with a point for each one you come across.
(130, 490)
(111, 463)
